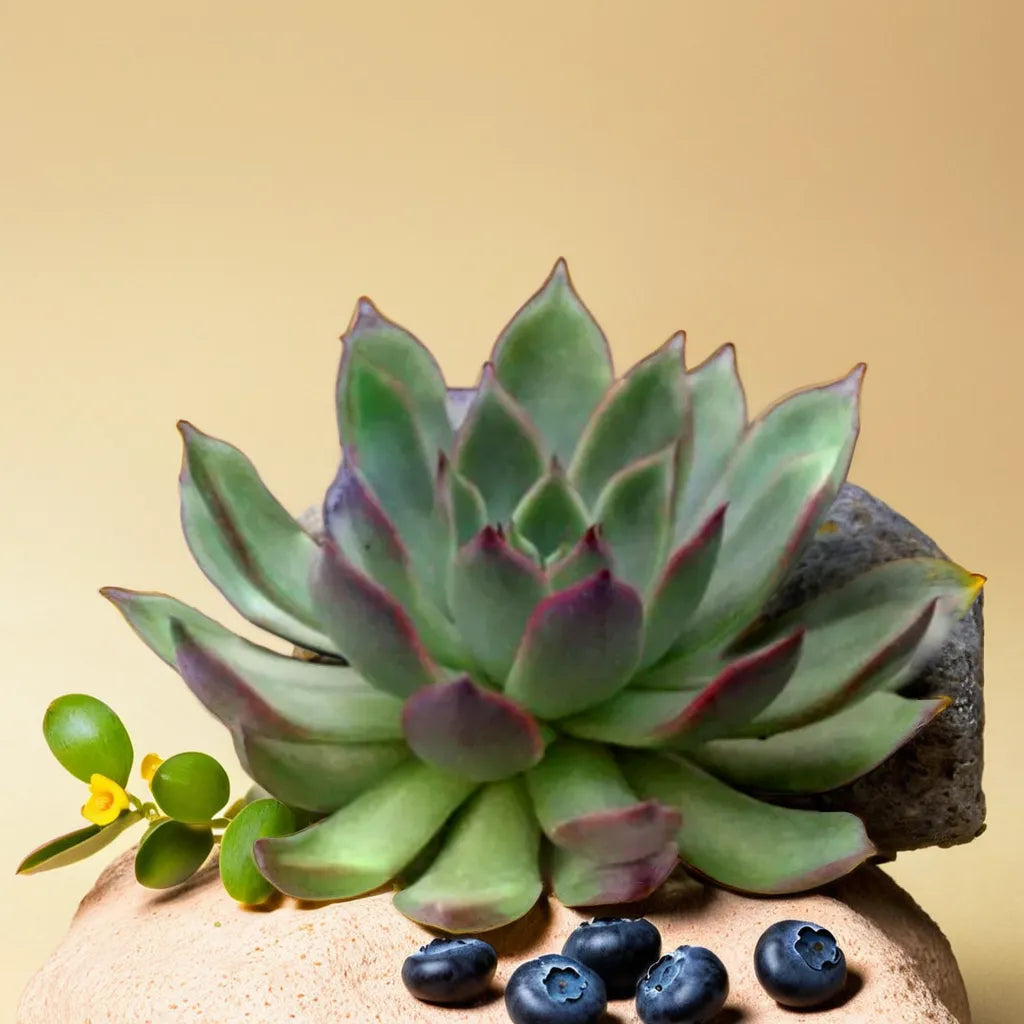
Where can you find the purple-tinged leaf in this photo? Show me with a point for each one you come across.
(390, 349)
(719, 417)
(487, 873)
(458, 402)
(245, 542)
(373, 631)
(648, 718)
(826, 754)
(498, 449)
(471, 731)
(584, 804)
(580, 882)
(551, 513)
(579, 648)
(745, 844)
(633, 511)
(554, 360)
(679, 589)
(589, 557)
(645, 412)
(369, 840)
(493, 591)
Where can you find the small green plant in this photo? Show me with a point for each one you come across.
(186, 815)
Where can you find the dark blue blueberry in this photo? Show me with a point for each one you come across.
(619, 949)
(687, 986)
(450, 970)
(799, 964)
(555, 990)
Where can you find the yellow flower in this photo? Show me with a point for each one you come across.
(150, 763)
(106, 801)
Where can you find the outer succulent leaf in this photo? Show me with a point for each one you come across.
(487, 872)
(633, 511)
(757, 551)
(589, 556)
(88, 738)
(493, 591)
(191, 787)
(316, 775)
(719, 416)
(75, 846)
(245, 541)
(498, 449)
(551, 513)
(554, 360)
(461, 504)
(679, 589)
(170, 853)
(374, 632)
(238, 871)
(246, 686)
(825, 754)
(794, 851)
(472, 732)
(393, 351)
(876, 631)
(579, 648)
(584, 804)
(649, 718)
(645, 412)
(580, 882)
(369, 840)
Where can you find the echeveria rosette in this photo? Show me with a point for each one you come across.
(534, 645)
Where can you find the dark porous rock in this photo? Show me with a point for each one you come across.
(929, 792)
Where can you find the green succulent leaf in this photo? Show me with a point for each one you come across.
(588, 557)
(394, 352)
(554, 360)
(471, 731)
(191, 787)
(823, 755)
(795, 850)
(316, 775)
(245, 541)
(373, 631)
(680, 587)
(170, 853)
(462, 506)
(367, 842)
(646, 412)
(486, 874)
(586, 638)
(238, 871)
(633, 511)
(551, 513)
(578, 881)
(584, 804)
(498, 449)
(493, 591)
(88, 738)
(719, 417)
(648, 718)
(75, 846)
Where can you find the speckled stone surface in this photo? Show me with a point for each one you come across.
(192, 956)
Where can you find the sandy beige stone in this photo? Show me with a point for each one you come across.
(132, 956)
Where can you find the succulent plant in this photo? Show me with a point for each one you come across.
(531, 648)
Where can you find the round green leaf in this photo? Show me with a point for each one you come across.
(171, 852)
(238, 870)
(88, 738)
(191, 787)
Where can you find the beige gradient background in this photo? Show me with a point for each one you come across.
(194, 194)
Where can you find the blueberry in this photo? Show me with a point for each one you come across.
(555, 990)
(619, 949)
(799, 964)
(450, 970)
(687, 986)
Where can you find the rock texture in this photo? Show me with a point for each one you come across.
(133, 956)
